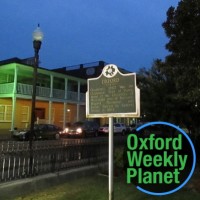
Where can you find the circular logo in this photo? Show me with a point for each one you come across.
(110, 71)
(160, 158)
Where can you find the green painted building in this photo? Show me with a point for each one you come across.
(60, 98)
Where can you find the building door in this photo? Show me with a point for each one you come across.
(39, 113)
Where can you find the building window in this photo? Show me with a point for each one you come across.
(5, 113)
(25, 113)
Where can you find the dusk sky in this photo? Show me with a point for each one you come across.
(127, 33)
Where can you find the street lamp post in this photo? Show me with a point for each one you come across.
(37, 41)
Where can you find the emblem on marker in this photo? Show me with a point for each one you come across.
(110, 71)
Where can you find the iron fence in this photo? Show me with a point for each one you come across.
(17, 161)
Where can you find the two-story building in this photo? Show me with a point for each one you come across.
(60, 98)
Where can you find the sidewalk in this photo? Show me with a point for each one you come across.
(12, 189)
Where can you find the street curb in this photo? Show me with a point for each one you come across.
(23, 187)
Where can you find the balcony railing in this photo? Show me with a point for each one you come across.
(72, 95)
(82, 97)
(42, 91)
(6, 88)
(60, 94)
(25, 89)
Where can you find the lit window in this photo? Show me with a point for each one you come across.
(25, 113)
(5, 113)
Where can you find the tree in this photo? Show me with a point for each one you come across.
(157, 92)
(182, 27)
(170, 90)
(160, 98)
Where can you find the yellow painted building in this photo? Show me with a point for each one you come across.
(60, 99)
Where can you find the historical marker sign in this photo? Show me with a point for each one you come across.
(113, 94)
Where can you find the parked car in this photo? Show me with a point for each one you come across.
(41, 131)
(118, 128)
(82, 129)
(103, 130)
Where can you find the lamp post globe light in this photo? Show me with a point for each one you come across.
(37, 41)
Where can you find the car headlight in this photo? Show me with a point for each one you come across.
(79, 130)
(66, 130)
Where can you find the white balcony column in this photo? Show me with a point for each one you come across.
(77, 111)
(66, 88)
(65, 104)
(78, 102)
(51, 86)
(64, 115)
(15, 80)
(79, 89)
(14, 99)
(13, 112)
(50, 112)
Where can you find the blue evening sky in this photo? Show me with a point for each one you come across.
(127, 33)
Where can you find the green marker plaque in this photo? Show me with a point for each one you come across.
(113, 94)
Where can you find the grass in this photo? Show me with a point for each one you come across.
(96, 187)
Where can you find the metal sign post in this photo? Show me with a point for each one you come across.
(110, 164)
(112, 94)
